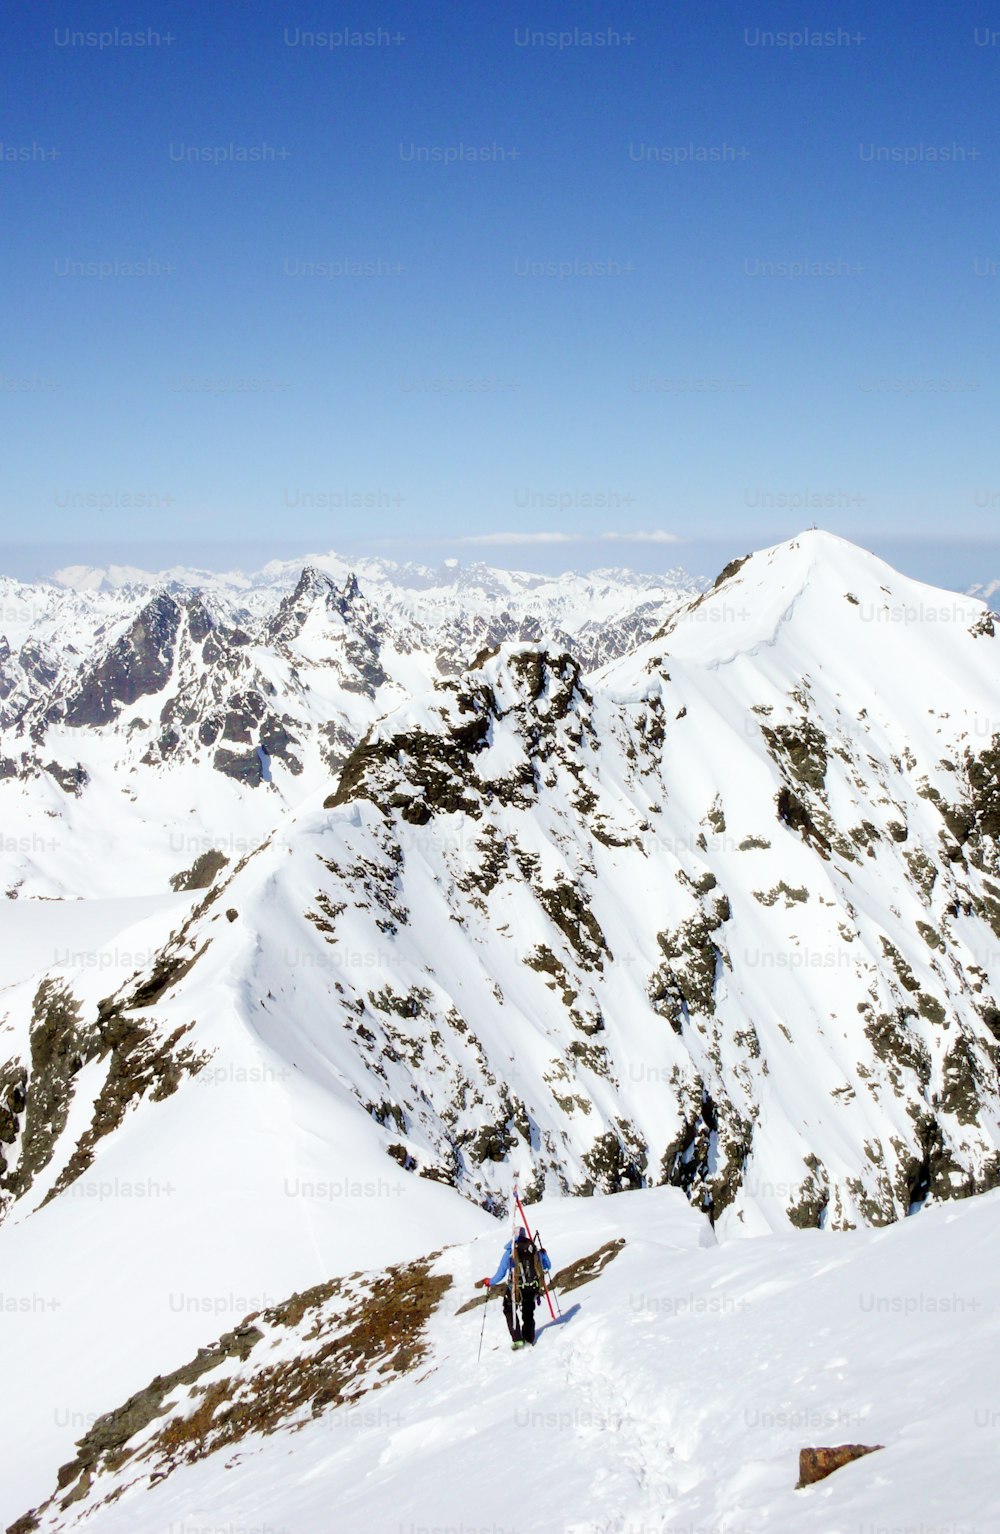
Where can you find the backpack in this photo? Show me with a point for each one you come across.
(526, 1266)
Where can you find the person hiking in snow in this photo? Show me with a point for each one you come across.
(524, 1266)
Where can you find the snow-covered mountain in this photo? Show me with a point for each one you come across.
(118, 689)
(721, 914)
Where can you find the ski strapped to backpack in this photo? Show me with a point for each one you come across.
(513, 1258)
(550, 1292)
(524, 1220)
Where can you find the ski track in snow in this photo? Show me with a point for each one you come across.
(642, 1479)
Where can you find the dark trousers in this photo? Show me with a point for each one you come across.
(523, 1328)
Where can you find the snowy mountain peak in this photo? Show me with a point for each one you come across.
(314, 589)
(837, 607)
(113, 578)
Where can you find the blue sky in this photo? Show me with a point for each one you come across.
(460, 289)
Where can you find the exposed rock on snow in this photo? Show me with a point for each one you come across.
(817, 1464)
(281, 1368)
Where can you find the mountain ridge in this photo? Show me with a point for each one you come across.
(717, 922)
(681, 865)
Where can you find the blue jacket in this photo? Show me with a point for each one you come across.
(506, 1263)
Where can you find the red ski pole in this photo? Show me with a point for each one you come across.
(527, 1226)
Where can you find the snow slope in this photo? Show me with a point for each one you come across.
(113, 935)
(674, 1393)
(227, 1198)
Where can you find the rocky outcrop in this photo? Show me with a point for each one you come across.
(816, 1464)
(35, 1098)
(318, 1350)
(137, 664)
(202, 872)
(38, 1094)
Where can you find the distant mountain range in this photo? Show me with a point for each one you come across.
(116, 684)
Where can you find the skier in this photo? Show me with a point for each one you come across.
(524, 1266)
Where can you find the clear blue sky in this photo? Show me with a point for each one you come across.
(685, 377)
